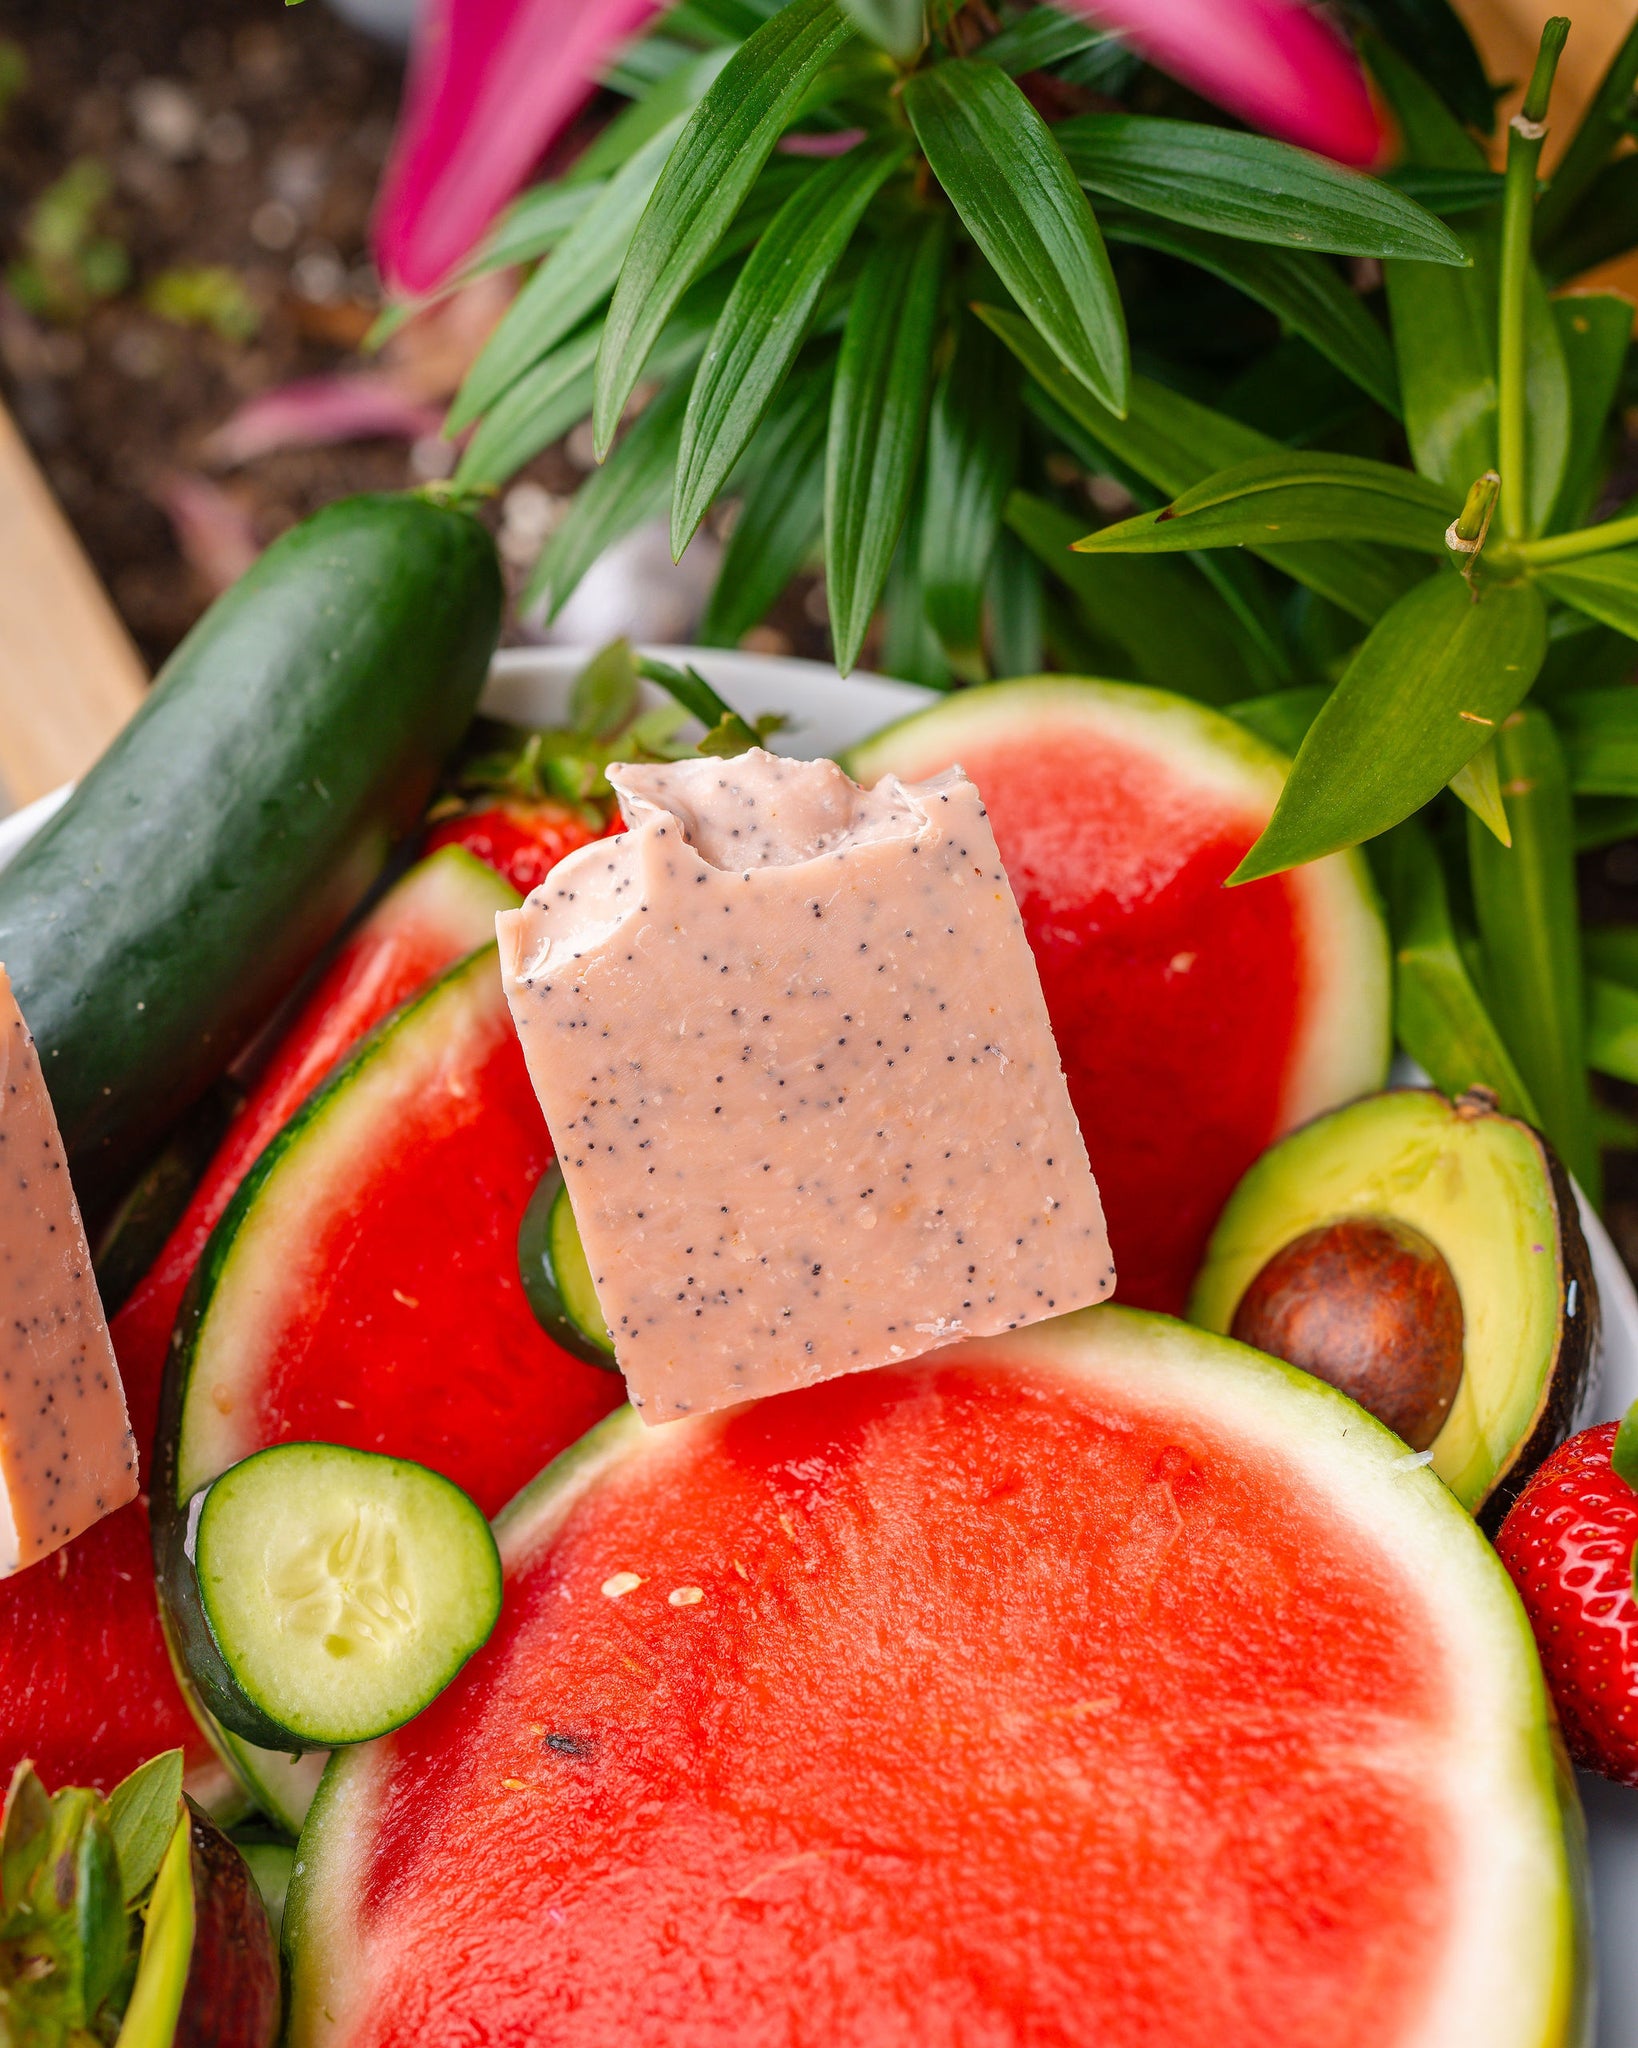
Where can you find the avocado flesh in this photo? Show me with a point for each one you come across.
(1486, 1191)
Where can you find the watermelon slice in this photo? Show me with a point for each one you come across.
(1104, 1683)
(84, 1674)
(363, 1287)
(1196, 1023)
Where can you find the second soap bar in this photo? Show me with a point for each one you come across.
(794, 1056)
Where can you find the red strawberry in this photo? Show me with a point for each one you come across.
(520, 839)
(1568, 1542)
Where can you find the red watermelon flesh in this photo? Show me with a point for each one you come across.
(365, 1290)
(87, 1684)
(1196, 1023)
(1107, 1683)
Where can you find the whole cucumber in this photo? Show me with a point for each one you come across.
(233, 826)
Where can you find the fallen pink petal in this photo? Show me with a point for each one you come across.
(1275, 63)
(491, 82)
(318, 412)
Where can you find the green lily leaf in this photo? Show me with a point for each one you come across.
(765, 321)
(1042, 36)
(1604, 126)
(142, 1811)
(675, 93)
(878, 415)
(1611, 953)
(1601, 820)
(972, 454)
(1016, 609)
(1166, 620)
(1432, 136)
(631, 487)
(1478, 785)
(1286, 498)
(1173, 442)
(728, 139)
(1612, 1028)
(1439, 1016)
(1006, 177)
(1301, 290)
(1603, 226)
(1605, 587)
(1525, 897)
(573, 281)
(782, 513)
(544, 403)
(1595, 332)
(1282, 717)
(1599, 731)
(1448, 193)
(1434, 34)
(899, 26)
(1433, 681)
(909, 646)
(1250, 187)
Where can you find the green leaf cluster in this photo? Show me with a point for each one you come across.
(76, 1874)
(977, 314)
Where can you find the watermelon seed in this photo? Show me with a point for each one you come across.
(685, 1596)
(622, 1583)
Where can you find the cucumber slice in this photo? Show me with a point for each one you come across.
(556, 1276)
(333, 1593)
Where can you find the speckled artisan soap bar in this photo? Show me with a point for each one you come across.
(67, 1456)
(792, 1048)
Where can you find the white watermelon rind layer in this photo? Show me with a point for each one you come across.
(1514, 1972)
(1344, 1038)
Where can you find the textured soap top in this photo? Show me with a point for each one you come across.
(67, 1456)
(792, 1049)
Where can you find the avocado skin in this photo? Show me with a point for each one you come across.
(1344, 1164)
(1578, 1336)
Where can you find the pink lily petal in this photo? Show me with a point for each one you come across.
(1275, 63)
(212, 529)
(316, 412)
(491, 82)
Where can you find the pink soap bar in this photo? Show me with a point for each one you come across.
(794, 1056)
(67, 1456)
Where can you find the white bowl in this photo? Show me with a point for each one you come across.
(828, 712)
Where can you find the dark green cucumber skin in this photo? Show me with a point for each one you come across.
(221, 842)
(539, 1276)
(196, 1641)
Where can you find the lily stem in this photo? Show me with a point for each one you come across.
(1586, 540)
(1525, 135)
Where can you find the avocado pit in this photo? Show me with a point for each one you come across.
(1369, 1305)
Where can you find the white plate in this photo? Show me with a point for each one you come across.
(829, 712)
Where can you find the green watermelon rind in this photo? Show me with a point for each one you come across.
(262, 1774)
(1521, 1978)
(1347, 1038)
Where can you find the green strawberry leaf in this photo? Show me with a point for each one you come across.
(1289, 497)
(765, 321)
(1249, 187)
(1006, 176)
(878, 416)
(1432, 682)
(604, 696)
(142, 1812)
(24, 1833)
(167, 1949)
(728, 139)
(1624, 1453)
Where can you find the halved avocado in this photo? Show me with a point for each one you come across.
(1349, 1234)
